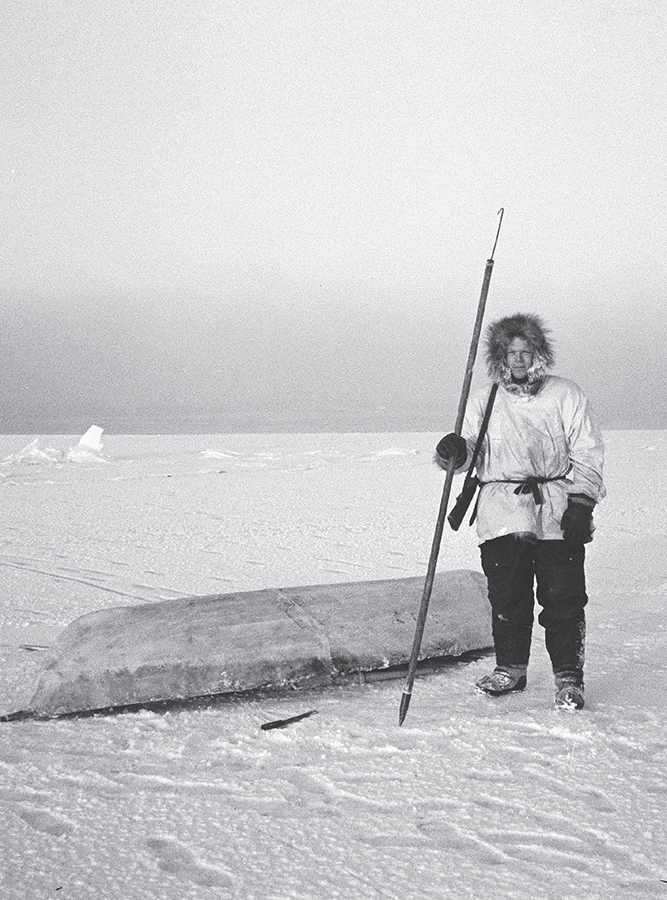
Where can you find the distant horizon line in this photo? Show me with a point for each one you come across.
(331, 416)
(78, 425)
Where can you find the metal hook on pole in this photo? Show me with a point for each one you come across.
(501, 213)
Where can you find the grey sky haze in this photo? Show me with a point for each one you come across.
(289, 204)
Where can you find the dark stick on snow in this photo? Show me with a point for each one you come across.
(282, 723)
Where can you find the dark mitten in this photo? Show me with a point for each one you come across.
(451, 447)
(577, 521)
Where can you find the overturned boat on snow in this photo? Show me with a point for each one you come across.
(299, 637)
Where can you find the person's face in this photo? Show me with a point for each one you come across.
(519, 358)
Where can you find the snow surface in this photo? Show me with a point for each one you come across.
(472, 798)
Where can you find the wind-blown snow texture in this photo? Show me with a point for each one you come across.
(472, 797)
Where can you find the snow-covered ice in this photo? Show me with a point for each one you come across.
(472, 797)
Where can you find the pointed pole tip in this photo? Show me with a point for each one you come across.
(403, 711)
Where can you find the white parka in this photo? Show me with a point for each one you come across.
(549, 434)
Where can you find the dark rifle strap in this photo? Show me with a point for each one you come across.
(483, 429)
(471, 482)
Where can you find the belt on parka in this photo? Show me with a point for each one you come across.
(530, 485)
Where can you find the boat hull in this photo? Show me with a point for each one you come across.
(267, 639)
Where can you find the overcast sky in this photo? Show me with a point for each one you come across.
(289, 204)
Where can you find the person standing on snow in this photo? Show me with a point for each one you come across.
(540, 469)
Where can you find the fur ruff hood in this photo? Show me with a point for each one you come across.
(500, 334)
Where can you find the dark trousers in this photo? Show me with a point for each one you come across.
(512, 564)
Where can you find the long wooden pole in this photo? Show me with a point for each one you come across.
(437, 537)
